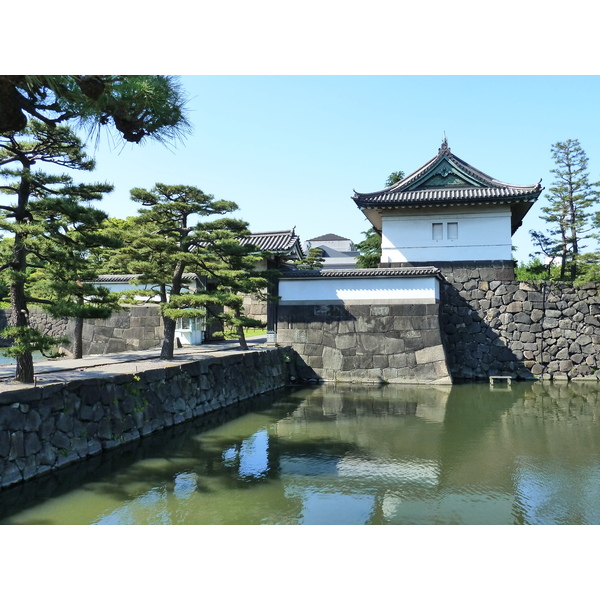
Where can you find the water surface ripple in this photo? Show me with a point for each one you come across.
(343, 454)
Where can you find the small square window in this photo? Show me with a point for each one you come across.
(437, 231)
(452, 231)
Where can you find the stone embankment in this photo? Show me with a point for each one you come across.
(525, 329)
(379, 343)
(71, 416)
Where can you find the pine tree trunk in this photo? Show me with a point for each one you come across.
(24, 371)
(20, 315)
(78, 338)
(168, 345)
(240, 331)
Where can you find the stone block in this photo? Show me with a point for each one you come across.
(528, 337)
(313, 349)
(299, 335)
(332, 359)
(381, 361)
(393, 345)
(514, 307)
(523, 318)
(565, 366)
(370, 343)
(378, 310)
(343, 342)
(397, 361)
(347, 326)
(431, 354)
(553, 314)
(521, 295)
(353, 363)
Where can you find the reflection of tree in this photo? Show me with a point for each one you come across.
(396, 454)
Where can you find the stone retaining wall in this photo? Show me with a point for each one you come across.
(39, 319)
(137, 327)
(393, 343)
(49, 426)
(524, 329)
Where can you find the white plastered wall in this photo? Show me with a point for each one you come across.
(481, 233)
(349, 290)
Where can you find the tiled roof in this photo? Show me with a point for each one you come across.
(447, 179)
(392, 199)
(280, 242)
(328, 237)
(348, 273)
(120, 278)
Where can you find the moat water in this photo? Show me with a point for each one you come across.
(465, 454)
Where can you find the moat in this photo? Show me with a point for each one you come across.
(396, 454)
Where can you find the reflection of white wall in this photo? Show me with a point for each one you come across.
(353, 289)
(447, 235)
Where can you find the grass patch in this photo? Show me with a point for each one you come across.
(248, 332)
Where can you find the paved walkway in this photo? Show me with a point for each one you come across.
(53, 371)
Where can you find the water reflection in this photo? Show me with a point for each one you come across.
(465, 454)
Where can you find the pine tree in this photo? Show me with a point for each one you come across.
(138, 106)
(369, 250)
(312, 261)
(169, 238)
(41, 202)
(394, 177)
(570, 198)
(64, 278)
(229, 265)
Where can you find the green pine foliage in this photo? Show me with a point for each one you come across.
(369, 250)
(568, 212)
(312, 261)
(50, 224)
(173, 234)
(139, 107)
(394, 177)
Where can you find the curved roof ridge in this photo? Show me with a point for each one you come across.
(399, 184)
(445, 154)
(484, 177)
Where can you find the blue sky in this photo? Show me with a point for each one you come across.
(290, 150)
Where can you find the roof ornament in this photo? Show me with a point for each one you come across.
(444, 148)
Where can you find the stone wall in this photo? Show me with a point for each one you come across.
(486, 270)
(523, 329)
(38, 319)
(395, 343)
(49, 426)
(136, 327)
(255, 307)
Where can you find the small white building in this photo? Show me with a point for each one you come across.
(447, 211)
(338, 252)
(188, 331)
